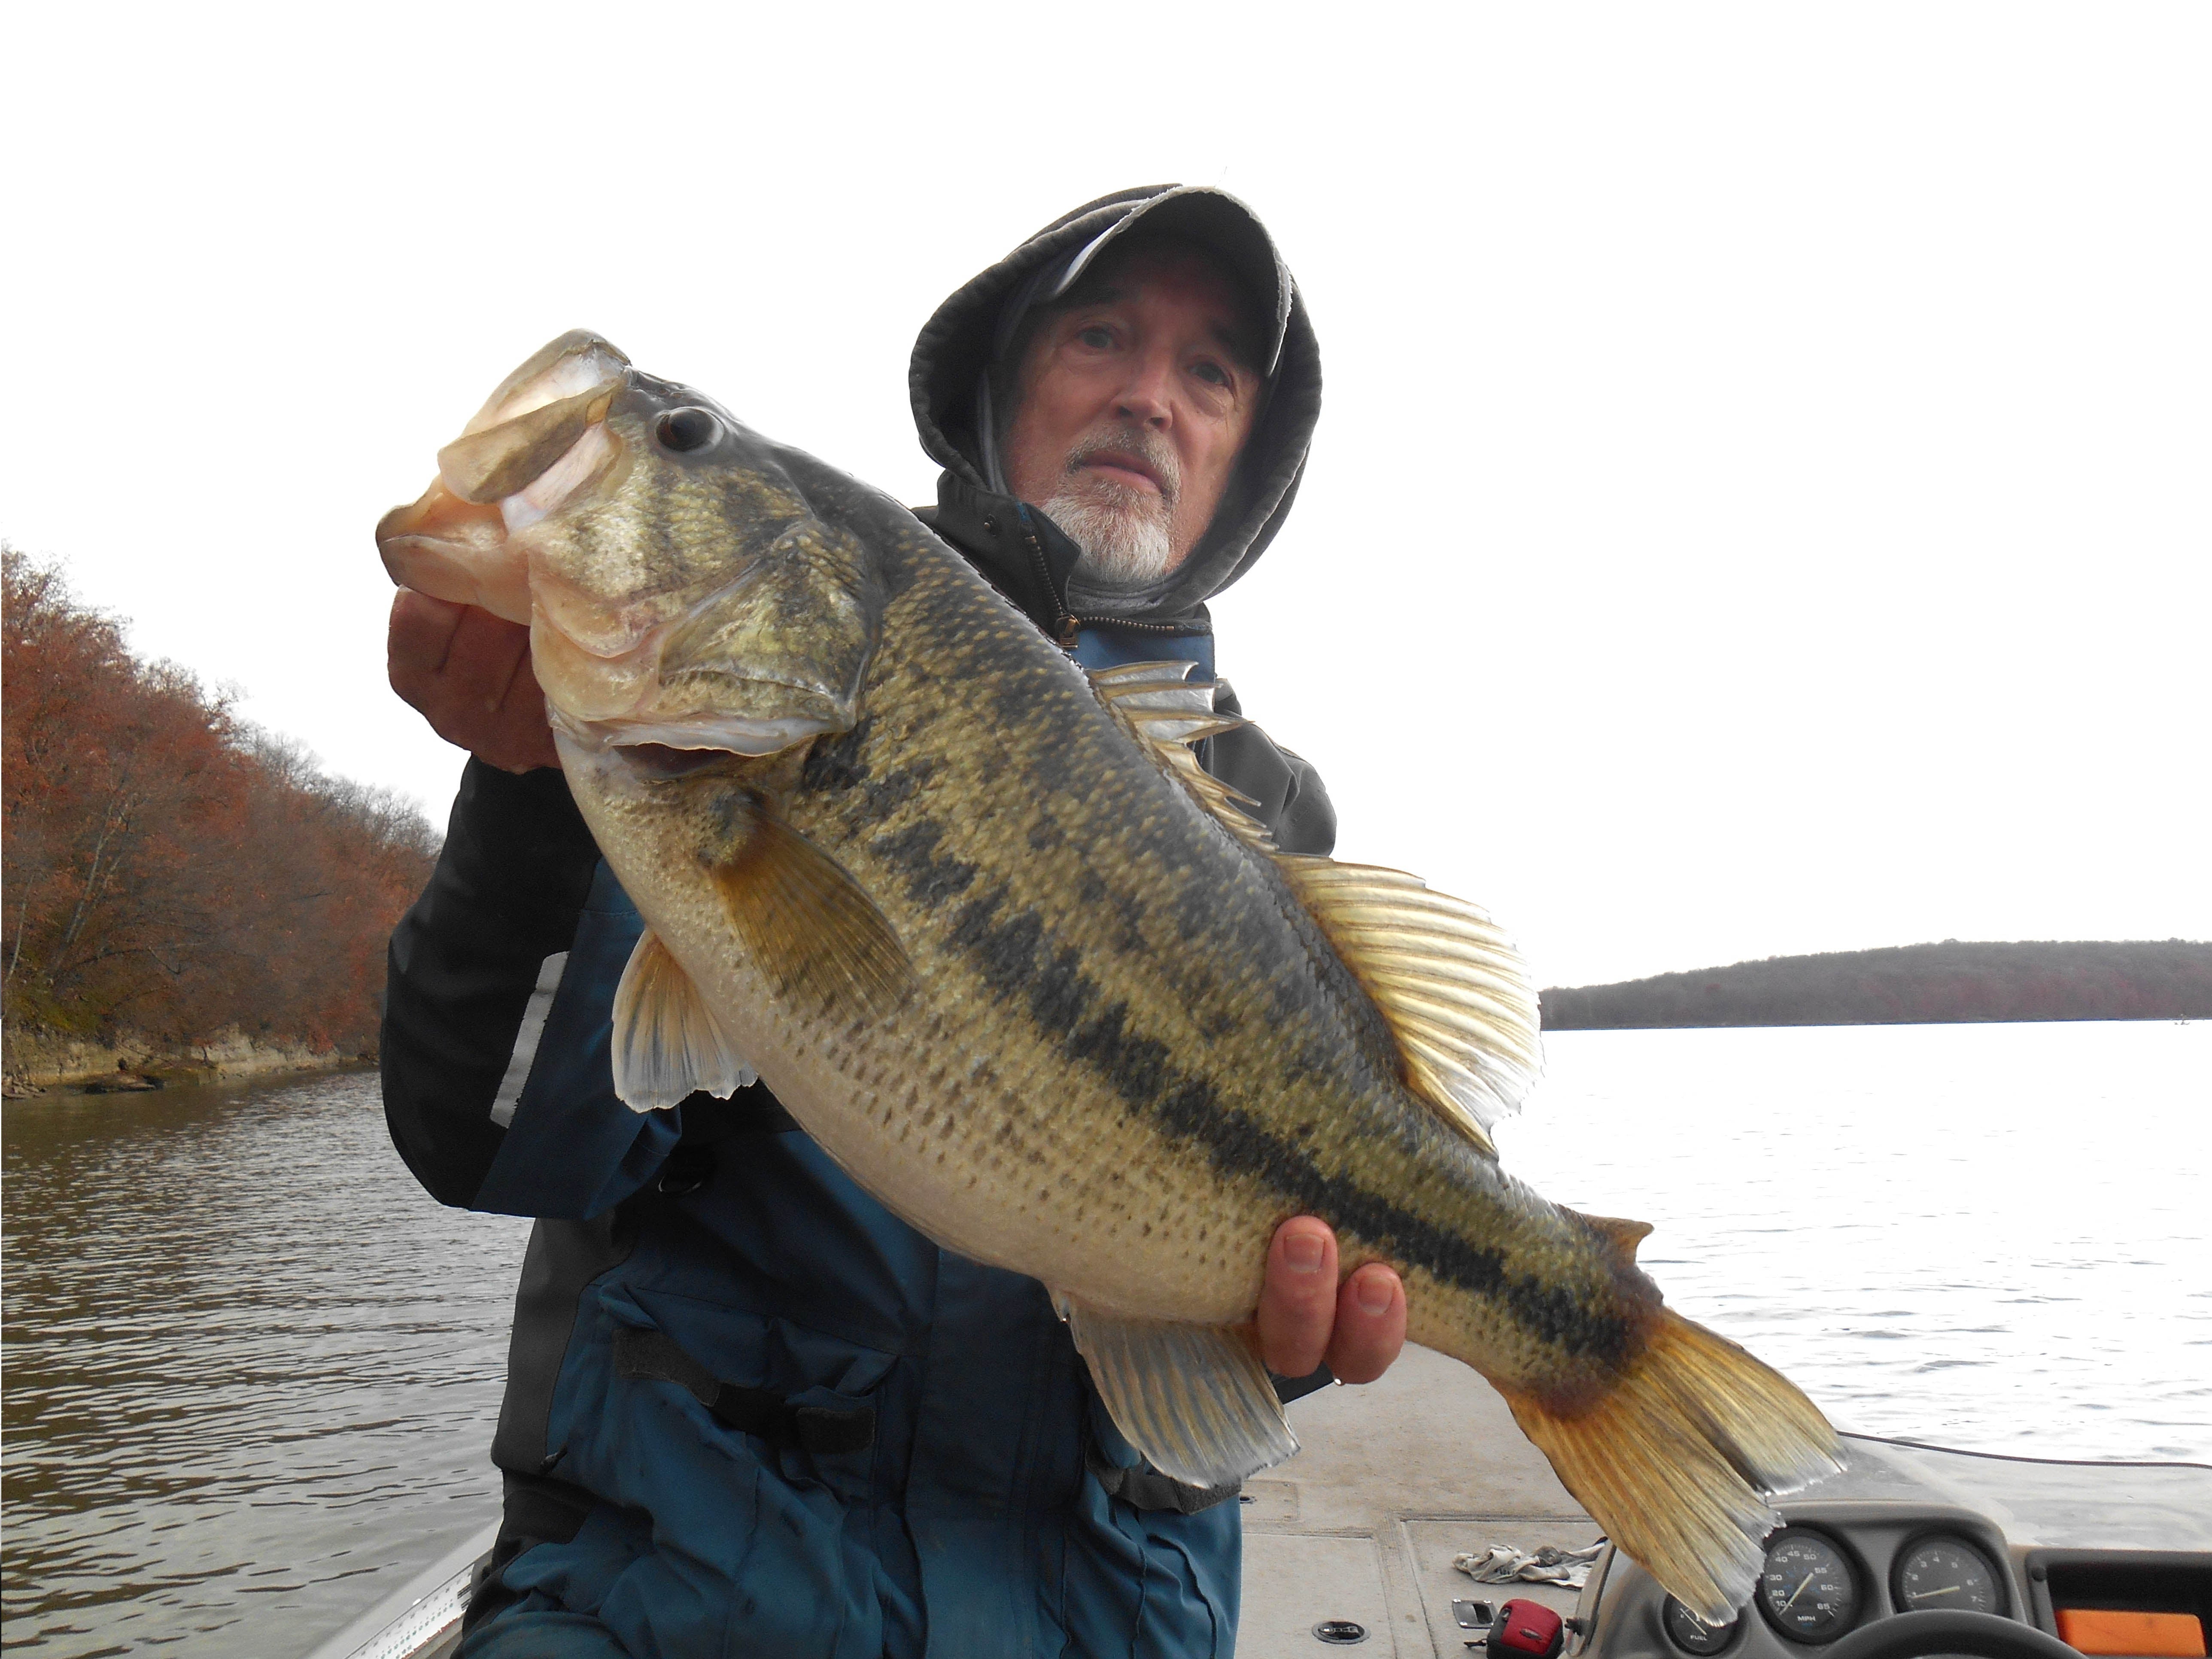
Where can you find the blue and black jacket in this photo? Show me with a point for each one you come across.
(749, 1410)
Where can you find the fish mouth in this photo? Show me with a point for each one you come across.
(750, 737)
(538, 442)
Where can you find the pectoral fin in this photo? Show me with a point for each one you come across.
(666, 1043)
(1194, 1399)
(815, 934)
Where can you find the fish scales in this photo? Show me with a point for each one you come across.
(1082, 1175)
(981, 936)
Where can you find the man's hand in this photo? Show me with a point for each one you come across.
(1305, 1318)
(469, 674)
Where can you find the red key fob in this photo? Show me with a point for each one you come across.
(1527, 1629)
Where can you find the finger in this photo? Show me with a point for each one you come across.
(1297, 1301)
(469, 673)
(418, 636)
(1370, 1324)
(485, 654)
(524, 741)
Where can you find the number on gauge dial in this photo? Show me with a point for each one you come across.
(1947, 1572)
(1808, 1590)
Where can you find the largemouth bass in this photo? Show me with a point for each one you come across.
(1029, 975)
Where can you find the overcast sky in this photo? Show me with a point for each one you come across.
(1761, 503)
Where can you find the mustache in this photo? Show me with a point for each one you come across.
(1155, 451)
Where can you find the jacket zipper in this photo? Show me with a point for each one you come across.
(1066, 625)
(1134, 626)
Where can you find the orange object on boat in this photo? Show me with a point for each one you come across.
(2137, 1635)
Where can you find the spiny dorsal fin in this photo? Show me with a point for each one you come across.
(667, 1043)
(1165, 712)
(1450, 986)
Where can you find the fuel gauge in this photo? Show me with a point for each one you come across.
(1694, 1635)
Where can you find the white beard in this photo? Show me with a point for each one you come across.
(1121, 533)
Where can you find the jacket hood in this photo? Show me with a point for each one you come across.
(959, 343)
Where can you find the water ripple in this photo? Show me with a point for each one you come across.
(251, 1368)
(2004, 1247)
(252, 1371)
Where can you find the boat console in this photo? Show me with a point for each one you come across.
(1911, 1551)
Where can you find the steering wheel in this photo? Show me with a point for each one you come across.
(1916, 1635)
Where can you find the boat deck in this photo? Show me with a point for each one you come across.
(1393, 1481)
(1396, 1478)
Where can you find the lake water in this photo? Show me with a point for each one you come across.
(251, 1370)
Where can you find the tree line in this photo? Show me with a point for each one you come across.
(174, 872)
(1909, 985)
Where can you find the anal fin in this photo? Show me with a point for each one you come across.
(1194, 1400)
(666, 1042)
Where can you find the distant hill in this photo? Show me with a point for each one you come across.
(1909, 985)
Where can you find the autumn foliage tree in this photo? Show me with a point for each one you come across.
(171, 871)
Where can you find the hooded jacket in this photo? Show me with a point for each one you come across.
(748, 1409)
(1025, 555)
(968, 332)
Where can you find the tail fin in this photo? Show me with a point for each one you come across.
(1675, 1460)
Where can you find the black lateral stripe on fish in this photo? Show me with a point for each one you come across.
(1068, 1015)
(1141, 1070)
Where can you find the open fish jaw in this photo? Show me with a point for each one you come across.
(672, 601)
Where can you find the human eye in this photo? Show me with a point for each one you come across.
(1097, 336)
(1214, 374)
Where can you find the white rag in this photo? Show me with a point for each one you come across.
(1503, 1564)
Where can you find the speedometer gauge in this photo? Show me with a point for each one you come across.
(1808, 1588)
(1947, 1572)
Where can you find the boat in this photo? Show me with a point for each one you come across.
(1910, 1550)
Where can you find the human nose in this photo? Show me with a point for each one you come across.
(1146, 397)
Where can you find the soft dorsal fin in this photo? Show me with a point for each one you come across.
(1453, 990)
(1165, 712)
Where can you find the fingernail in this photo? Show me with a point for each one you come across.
(1302, 1251)
(1373, 1294)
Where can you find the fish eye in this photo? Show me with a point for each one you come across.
(686, 429)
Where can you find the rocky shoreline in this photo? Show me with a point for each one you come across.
(41, 1063)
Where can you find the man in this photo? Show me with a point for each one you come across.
(749, 1410)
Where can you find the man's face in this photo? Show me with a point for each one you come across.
(1131, 409)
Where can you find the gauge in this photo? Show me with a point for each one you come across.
(1693, 1634)
(1947, 1572)
(1807, 1588)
